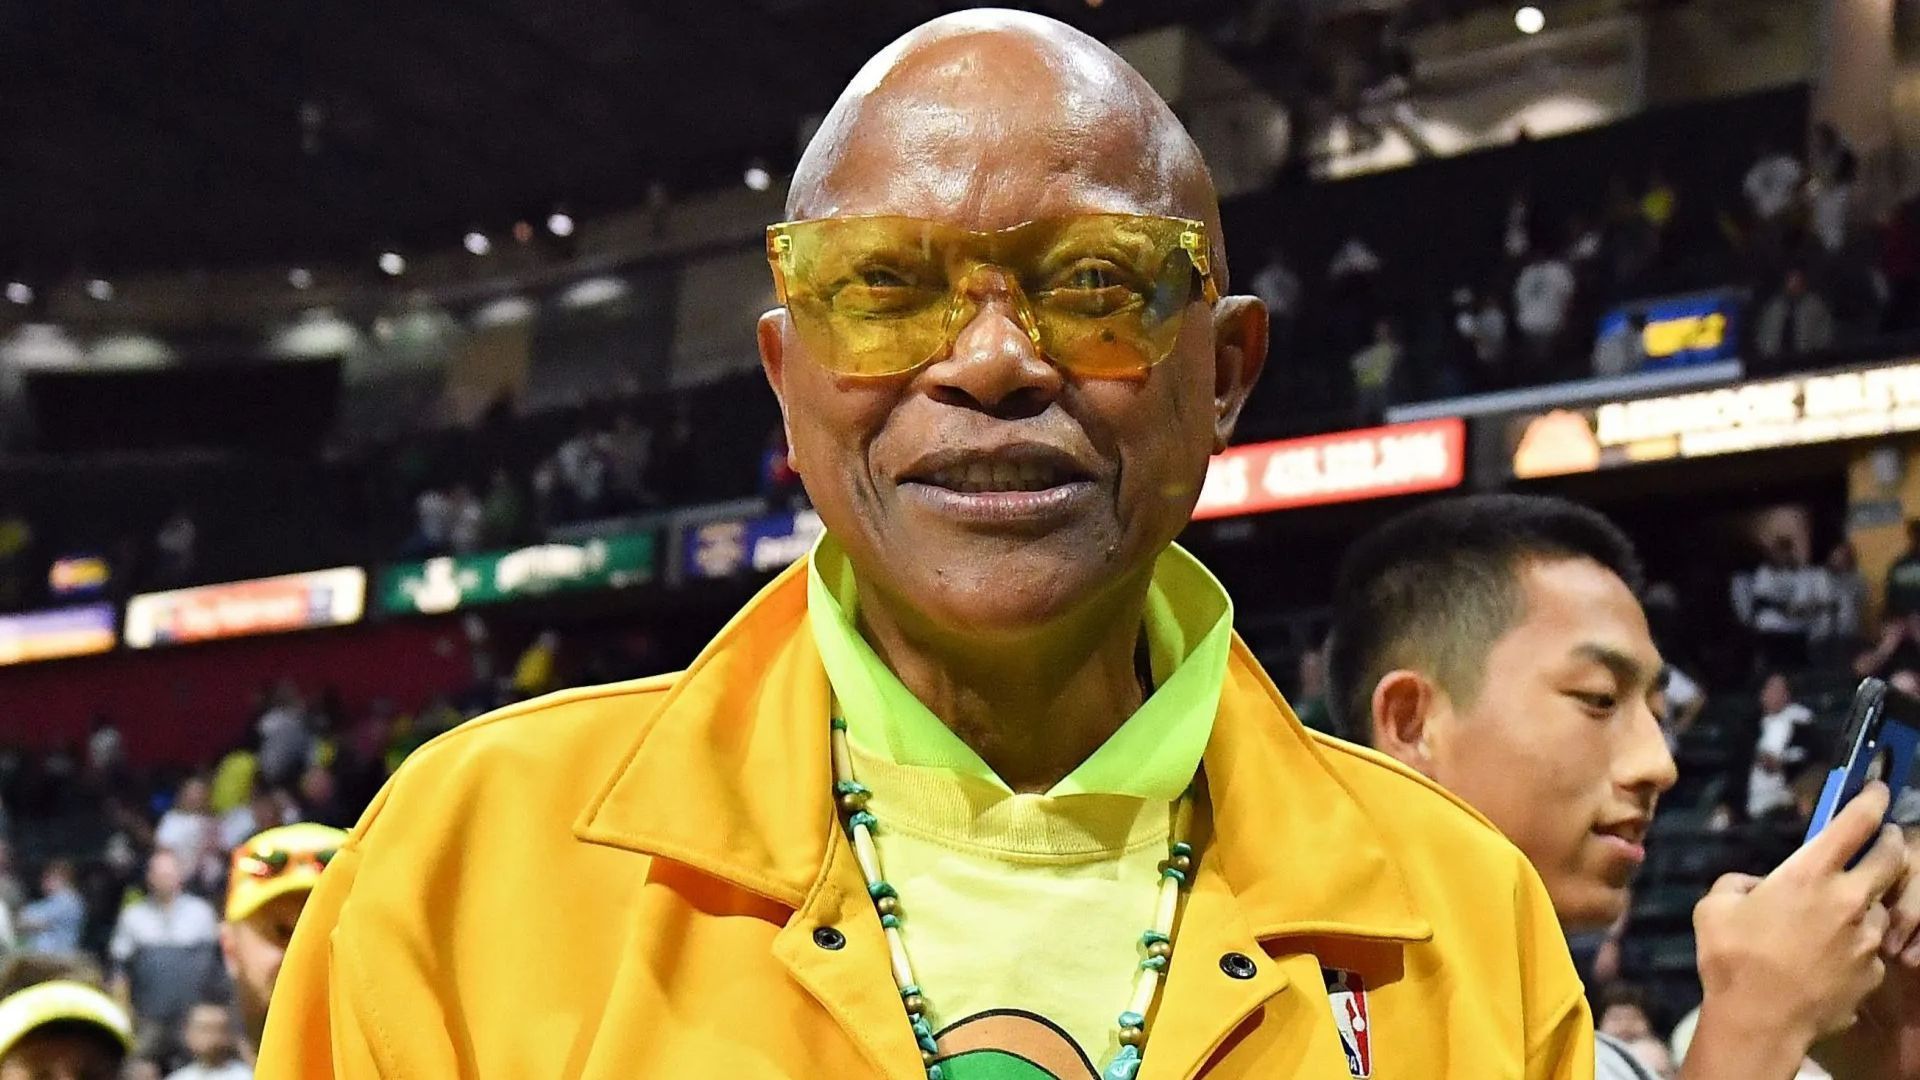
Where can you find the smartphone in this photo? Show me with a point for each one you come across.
(1878, 743)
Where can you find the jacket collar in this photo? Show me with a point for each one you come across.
(732, 778)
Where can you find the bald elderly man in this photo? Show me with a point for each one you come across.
(985, 788)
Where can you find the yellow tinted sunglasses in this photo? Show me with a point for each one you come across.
(1102, 295)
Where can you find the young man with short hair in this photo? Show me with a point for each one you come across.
(1495, 645)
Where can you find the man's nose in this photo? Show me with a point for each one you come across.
(1644, 764)
(994, 366)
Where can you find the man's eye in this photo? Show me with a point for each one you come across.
(881, 277)
(1605, 703)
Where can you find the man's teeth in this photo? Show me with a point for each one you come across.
(999, 476)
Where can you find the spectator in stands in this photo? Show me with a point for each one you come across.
(583, 475)
(273, 874)
(503, 513)
(1777, 755)
(56, 1024)
(1902, 596)
(1623, 350)
(1309, 700)
(1900, 267)
(1686, 699)
(187, 828)
(1652, 1053)
(1542, 296)
(533, 673)
(1374, 370)
(1494, 643)
(1837, 632)
(433, 528)
(629, 450)
(1622, 1012)
(207, 1034)
(1772, 185)
(1778, 602)
(267, 808)
(1490, 339)
(165, 949)
(1830, 188)
(176, 549)
(1354, 304)
(1278, 287)
(52, 924)
(285, 737)
(465, 521)
(1795, 322)
(1659, 202)
(1897, 651)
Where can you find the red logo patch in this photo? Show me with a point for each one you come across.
(1347, 992)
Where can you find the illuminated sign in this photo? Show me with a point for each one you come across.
(718, 549)
(1353, 465)
(49, 635)
(444, 584)
(241, 608)
(1760, 415)
(1699, 328)
(77, 575)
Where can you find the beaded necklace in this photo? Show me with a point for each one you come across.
(1156, 942)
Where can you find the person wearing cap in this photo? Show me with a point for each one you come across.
(62, 1029)
(273, 873)
(985, 787)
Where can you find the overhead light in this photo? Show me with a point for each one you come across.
(100, 289)
(19, 292)
(504, 310)
(593, 291)
(300, 278)
(559, 224)
(477, 243)
(758, 178)
(391, 264)
(1530, 19)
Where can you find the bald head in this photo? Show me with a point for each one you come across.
(988, 118)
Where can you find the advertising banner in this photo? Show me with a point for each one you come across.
(241, 608)
(460, 581)
(48, 635)
(1678, 331)
(76, 576)
(719, 549)
(1374, 463)
(1760, 415)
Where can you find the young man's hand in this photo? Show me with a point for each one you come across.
(1789, 959)
(1885, 1044)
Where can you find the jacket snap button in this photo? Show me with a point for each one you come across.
(828, 938)
(1237, 965)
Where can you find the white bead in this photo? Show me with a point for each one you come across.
(842, 760)
(1144, 988)
(1168, 907)
(902, 970)
(863, 850)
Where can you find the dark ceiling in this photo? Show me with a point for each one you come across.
(188, 133)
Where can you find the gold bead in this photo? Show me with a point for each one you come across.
(915, 1004)
(853, 801)
(1181, 863)
(1160, 948)
(1132, 1036)
(887, 905)
(926, 1057)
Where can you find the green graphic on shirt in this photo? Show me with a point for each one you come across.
(1008, 1044)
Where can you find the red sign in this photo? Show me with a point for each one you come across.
(1396, 460)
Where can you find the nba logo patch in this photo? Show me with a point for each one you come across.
(1347, 992)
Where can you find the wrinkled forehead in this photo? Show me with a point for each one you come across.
(986, 137)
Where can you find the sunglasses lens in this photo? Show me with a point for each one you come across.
(325, 856)
(1103, 294)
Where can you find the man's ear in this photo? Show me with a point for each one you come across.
(1239, 352)
(771, 334)
(1404, 704)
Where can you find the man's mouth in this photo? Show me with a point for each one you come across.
(984, 476)
(1627, 838)
(1026, 484)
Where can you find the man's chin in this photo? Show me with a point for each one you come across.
(1589, 903)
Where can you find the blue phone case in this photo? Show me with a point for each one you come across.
(1882, 722)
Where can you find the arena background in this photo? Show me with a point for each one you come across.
(365, 367)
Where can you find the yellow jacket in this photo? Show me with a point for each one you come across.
(638, 881)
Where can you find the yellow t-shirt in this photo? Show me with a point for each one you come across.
(1022, 913)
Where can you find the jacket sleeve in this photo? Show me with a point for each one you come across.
(1565, 1050)
(314, 1025)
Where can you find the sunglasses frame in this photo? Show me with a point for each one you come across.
(1192, 241)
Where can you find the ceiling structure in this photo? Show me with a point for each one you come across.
(179, 134)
